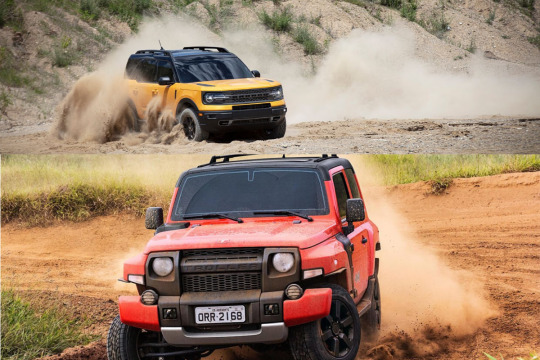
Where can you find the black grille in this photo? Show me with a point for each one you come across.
(221, 282)
(249, 96)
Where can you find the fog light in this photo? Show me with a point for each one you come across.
(149, 297)
(294, 291)
(169, 313)
(271, 309)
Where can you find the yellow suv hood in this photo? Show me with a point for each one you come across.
(237, 84)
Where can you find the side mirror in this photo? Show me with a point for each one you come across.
(164, 80)
(355, 210)
(154, 218)
(256, 73)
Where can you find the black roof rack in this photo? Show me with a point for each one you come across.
(224, 158)
(164, 52)
(326, 157)
(206, 48)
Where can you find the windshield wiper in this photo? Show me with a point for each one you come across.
(213, 215)
(283, 212)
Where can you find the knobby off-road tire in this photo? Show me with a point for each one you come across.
(336, 336)
(277, 132)
(122, 341)
(371, 321)
(190, 123)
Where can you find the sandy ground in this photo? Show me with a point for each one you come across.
(489, 135)
(488, 226)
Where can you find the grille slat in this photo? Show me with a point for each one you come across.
(221, 282)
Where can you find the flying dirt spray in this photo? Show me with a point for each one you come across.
(365, 75)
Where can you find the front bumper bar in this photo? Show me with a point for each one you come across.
(272, 333)
(249, 119)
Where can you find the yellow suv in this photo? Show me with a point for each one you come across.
(210, 90)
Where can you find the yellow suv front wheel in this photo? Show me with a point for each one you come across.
(192, 128)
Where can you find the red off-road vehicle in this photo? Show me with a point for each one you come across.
(254, 252)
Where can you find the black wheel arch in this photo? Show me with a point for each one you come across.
(186, 103)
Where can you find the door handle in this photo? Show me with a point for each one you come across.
(364, 240)
(155, 92)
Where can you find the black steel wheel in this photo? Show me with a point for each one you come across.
(336, 336)
(190, 123)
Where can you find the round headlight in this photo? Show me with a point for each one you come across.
(209, 98)
(283, 262)
(162, 266)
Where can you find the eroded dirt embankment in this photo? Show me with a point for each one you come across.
(487, 227)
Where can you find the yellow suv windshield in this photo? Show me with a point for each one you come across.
(195, 68)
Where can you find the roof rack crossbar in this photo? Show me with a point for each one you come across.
(164, 52)
(326, 157)
(224, 158)
(206, 48)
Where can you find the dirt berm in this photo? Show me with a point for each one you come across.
(486, 227)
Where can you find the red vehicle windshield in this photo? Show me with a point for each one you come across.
(248, 192)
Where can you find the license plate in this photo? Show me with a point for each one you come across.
(220, 314)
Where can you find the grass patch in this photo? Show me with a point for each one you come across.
(279, 20)
(10, 70)
(74, 202)
(302, 36)
(5, 101)
(402, 169)
(491, 17)
(532, 356)
(535, 40)
(30, 332)
(408, 10)
(471, 47)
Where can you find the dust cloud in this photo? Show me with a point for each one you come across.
(425, 304)
(365, 75)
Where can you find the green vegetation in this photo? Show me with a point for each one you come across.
(471, 47)
(532, 356)
(29, 331)
(491, 17)
(279, 20)
(5, 101)
(302, 36)
(10, 70)
(402, 169)
(408, 10)
(535, 40)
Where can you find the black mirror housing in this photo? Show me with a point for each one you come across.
(154, 218)
(355, 210)
(256, 73)
(164, 80)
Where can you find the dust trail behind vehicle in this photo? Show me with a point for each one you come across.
(365, 75)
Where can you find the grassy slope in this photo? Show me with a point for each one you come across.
(38, 189)
(29, 331)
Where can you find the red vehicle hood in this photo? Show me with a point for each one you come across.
(225, 234)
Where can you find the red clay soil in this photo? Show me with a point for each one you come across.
(487, 226)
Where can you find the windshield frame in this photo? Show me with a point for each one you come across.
(177, 60)
(324, 210)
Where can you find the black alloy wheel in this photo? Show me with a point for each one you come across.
(337, 330)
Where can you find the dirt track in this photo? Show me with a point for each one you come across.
(490, 135)
(488, 226)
